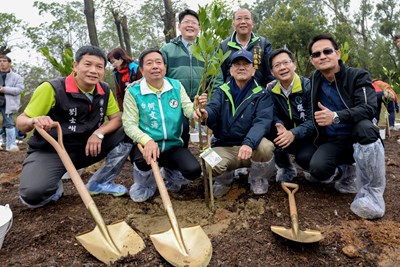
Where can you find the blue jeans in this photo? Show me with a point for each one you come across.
(8, 119)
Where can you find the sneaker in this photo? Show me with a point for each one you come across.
(220, 189)
(114, 189)
(13, 149)
(393, 128)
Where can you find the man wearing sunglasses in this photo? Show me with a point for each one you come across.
(343, 103)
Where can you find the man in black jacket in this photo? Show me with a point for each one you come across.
(292, 115)
(344, 103)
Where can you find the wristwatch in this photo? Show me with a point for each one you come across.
(336, 119)
(99, 135)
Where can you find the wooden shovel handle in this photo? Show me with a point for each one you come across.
(292, 203)
(66, 160)
(167, 203)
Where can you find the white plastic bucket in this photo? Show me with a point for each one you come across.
(5, 222)
(382, 133)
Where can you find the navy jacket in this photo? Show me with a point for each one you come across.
(245, 125)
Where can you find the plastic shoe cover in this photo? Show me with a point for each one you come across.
(66, 174)
(370, 170)
(347, 184)
(222, 184)
(260, 172)
(11, 146)
(173, 179)
(241, 171)
(285, 174)
(102, 181)
(57, 195)
(144, 185)
(109, 188)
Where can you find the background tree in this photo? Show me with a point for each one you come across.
(169, 21)
(90, 20)
(9, 26)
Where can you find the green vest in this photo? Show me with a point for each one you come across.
(160, 114)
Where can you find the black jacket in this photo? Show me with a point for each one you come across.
(294, 112)
(355, 88)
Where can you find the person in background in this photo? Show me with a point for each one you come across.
(244, 38)
(292, 115)
(80, 103)
(152, 117)
(344, 104)
(240, 113)
(11, 88)
(125, 72)
(387, 96)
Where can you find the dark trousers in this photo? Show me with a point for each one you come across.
(336, 151)
(303, 150)
(177, 158)
(42, 170)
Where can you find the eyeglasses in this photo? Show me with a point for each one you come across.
(283, 63)
(190, 22)
(326, 51)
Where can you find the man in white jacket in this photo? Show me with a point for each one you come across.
(11, 87)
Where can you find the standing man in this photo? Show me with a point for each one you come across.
(11, 87)
(240, 113)
(293, 115)
(244, 38)
(183, 66)
(80, 103)
(344, 104)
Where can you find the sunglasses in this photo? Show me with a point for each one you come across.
(326, 51)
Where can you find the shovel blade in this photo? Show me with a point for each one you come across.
(307, 236)
(197, 244)
(125, 241)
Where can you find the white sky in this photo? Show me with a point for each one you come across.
(30, 14)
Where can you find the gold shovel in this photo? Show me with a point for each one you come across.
(295, 234)
(179, 246)
(107, 243)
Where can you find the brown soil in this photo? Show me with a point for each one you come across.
(239, 228)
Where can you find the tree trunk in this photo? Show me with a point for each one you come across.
(117, 22)
(89, 14)
(169, 21)
(125, 32)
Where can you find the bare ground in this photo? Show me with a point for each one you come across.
(239, 227)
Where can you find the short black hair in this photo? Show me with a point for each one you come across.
(187, 12)
(148, 51)
(6, 57)
(396, 36)
(90, 50)
(323, 36)
(280, 51)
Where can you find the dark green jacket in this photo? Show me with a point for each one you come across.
(182, 67)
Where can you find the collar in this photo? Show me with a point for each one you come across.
(295, 85)
(72, 87)
(145, 89)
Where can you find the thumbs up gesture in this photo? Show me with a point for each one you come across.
(323, 117)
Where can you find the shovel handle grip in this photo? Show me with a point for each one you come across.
(66, 160)
(292, 203)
